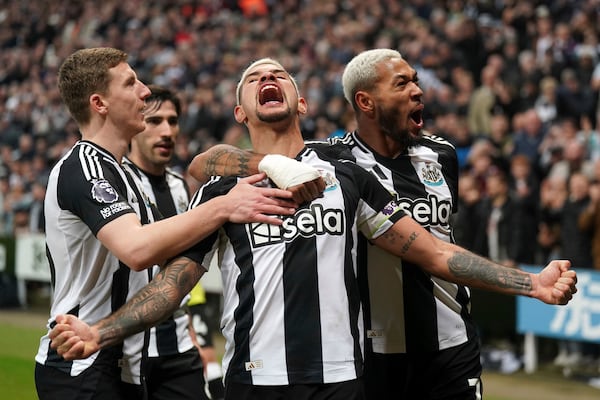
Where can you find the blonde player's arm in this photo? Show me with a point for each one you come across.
(555, 284)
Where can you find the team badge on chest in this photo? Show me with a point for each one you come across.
(431, 176)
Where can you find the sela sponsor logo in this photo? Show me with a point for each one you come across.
(427, 212)
(431, 175)
(306, 223)
(103, 192)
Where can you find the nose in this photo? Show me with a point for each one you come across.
(267, 76)
(416, 91)
(145, 91)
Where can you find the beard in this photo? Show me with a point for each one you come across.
(275, 117)
(388, 123)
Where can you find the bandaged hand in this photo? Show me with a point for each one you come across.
(286, 172)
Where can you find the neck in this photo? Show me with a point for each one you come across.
(146, 166)
(287, 142)
(378, 141)
(112, 140)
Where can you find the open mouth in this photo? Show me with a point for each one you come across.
(270, 94)
(417, 117)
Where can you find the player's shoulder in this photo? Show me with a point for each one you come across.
(174, 174)
(337, 148)
(432, 140)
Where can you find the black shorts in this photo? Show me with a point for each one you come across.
(450, 374)
(100, 381)
(178, 377)
(349, 390)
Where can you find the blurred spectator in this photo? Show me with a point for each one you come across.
(481, 162)
(524, 190)
(589, 218)
(574, 99)
(501, 235)
(575, 245)
(36, 208)
(487, 99)
(500, 136)
(574, 155)
(465, 221)
(529, 134)
(545, 104)
(553, 195)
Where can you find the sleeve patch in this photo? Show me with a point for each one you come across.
(103, 192)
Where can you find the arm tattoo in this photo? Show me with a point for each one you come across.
(470, 266)
(391, 237)
(153, 303)
(229, 162)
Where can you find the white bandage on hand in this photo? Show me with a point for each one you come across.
(286, 172)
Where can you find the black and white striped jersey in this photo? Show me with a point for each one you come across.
(86, 190)
(168, 195)
(408, 310)
(292, 311)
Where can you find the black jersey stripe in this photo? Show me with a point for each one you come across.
(302, 312)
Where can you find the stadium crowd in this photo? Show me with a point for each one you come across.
(512, 84)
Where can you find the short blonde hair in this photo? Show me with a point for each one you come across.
(361, 71)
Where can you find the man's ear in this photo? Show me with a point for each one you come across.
(302, 105)
(98, 104)
(239, 114)
(364, 102)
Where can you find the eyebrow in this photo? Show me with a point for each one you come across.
(405, 77)
(273, 71)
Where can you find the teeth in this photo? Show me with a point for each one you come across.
(270, 92)
(266, 87)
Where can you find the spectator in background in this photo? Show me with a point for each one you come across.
(501, 233)
(574, 99)
(523, 184)
(482, 161)
(465, 221)
(573, 159)
(37, 223)
(487, 99)
(575, 243)
(463, 83)
(500, 136)
(589, 218)
(528, 135)
(553, 195)
(545, 104)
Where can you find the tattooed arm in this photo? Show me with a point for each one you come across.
(224, 160)
(74, 339)
(227, 160)
(408, 240)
